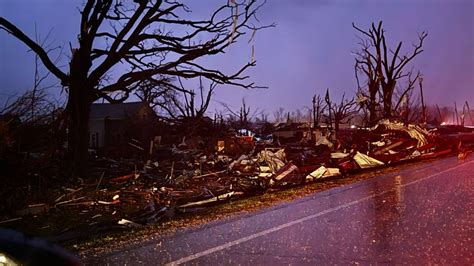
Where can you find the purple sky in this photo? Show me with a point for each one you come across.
(308, 51)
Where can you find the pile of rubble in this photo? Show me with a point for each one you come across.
(188, 179)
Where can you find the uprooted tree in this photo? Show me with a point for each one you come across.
(382, 66)
(122, 43)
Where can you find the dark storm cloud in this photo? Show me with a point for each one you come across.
(308, 51)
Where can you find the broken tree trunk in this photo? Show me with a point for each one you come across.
(78, 109)
(373, 103)
(80, 99)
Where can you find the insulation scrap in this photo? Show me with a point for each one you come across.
(275, 160)
(414, 131)
(316, 174)
(339, 155)
(365, 161)
(322, 172)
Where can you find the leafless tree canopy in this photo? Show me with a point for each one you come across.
(279, 115)
(408, 107)
(243, 116)
(171, 103)
(382, 66)
(149, 38)
(339, 113)
(317, 110)
(123, 43)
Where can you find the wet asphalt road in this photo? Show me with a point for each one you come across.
(422, 214)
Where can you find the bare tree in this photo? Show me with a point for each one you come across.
(150, 38)
(341, 112)
(244, 113)
(189, 107)
(317, 110)
(155, 93)
(30, 114)
(423, 105)
(263, 117)
(328, 101)
(35, 105)
(388, 68)
(279, 115)
(407, 107)
(243, 116)
(182, 103)
(469, 112)
(367, 94)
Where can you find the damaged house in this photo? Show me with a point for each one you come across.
(113, 126)
(292, 132)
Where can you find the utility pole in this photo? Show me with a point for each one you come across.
(328, 102)
(420, 82)
(469, 112)
(440, 116)
(456, 111)
(314, 111)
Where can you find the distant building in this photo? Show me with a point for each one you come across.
(112, 125)
(291, 132)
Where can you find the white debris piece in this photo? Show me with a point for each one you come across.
(338, 155)
(332, 172)
(365, 161)
(129, 223)
(324, 141)
(316, 174)
(275, 160)
(322, 172)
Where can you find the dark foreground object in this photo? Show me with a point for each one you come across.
(19, 249)
(420, 214)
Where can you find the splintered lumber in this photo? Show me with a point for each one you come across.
(316, 174)
(210, 174)
(339, 155)
(136, 146)
(100, 181)
(285, 171)
(123, 178)
(60, 197)
(425, 147)
(365, 161)
(69, 201)
(71, 192)
(85, 203)
(108, 202)
(414, 131)
(389, 147)
(322, 172)
(330, 172)
(434, 154)
(211, 200)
